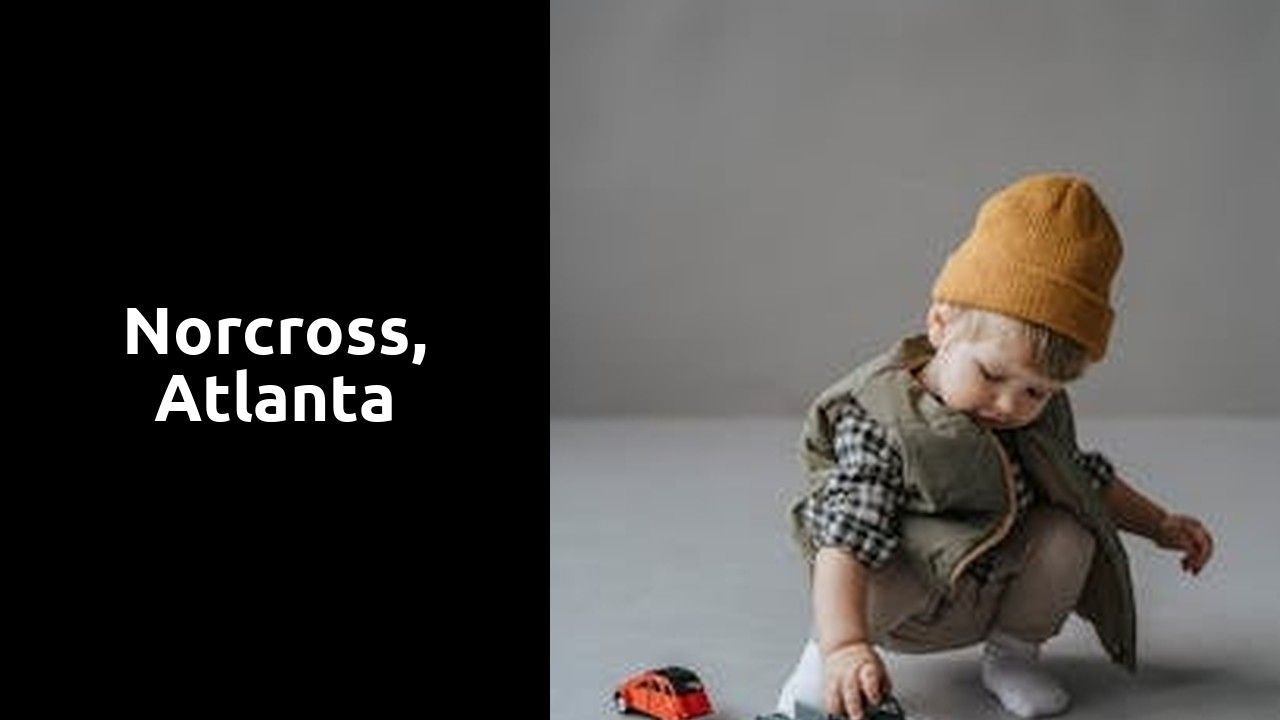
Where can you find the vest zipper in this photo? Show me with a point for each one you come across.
(1006, 523)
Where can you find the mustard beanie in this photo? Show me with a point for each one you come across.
(1044, 250)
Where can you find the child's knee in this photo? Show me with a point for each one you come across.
(895, 592)
(1061, 542)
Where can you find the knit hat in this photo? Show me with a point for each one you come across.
(1044, 250)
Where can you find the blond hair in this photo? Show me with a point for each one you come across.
(1059, 357)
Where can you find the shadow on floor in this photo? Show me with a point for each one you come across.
(1168, 689)
(1160, 689)
(1164, 690)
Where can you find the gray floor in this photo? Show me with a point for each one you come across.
(668, 546)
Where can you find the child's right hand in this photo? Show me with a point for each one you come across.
(852, 672)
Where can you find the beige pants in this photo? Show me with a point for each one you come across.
(1038, 572)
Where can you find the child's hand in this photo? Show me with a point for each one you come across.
(851, 672)
(1185, 533)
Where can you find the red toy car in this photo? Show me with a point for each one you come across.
(669, 693)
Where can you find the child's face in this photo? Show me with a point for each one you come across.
(991, 378)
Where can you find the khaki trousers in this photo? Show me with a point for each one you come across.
(1037, 574)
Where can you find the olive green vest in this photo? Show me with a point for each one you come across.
(960, 498)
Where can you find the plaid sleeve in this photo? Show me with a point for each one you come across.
(1097, 465)
(857, 507)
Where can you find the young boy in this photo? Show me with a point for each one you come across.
(948, 502)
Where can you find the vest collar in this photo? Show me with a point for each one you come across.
(910, 354)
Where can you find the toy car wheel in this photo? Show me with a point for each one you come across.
(620, 703)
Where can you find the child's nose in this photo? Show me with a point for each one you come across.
(1005, 406)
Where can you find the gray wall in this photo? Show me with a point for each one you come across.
(745, 197)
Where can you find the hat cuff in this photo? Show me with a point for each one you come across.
(1027, 292)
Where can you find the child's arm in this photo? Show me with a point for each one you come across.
(852, 669)
(839, 599)
(1131, 510)
(851, 523)
(1138, 514)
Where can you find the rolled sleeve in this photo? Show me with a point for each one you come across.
(1099, 468)
(857, 507)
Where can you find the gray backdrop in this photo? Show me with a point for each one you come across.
(747, 196)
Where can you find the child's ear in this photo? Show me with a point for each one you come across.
(937, 321)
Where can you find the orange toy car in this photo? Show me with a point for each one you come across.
(669, 693)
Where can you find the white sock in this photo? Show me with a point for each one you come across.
(1011, 671)
(804, 686)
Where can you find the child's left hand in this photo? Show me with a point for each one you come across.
(1185, 533)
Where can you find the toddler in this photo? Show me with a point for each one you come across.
(948, 502)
